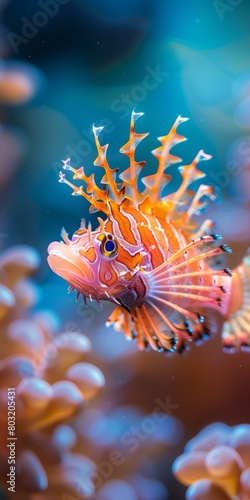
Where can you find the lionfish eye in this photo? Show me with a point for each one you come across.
(108, 246)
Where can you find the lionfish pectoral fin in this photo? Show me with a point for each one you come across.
(168, 282)
(209, 325)
(185, 306)
(153, 330)
(144, 325)
(164, 334)
(236, 330)
(176, 334)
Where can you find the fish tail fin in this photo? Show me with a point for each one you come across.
(236, 329)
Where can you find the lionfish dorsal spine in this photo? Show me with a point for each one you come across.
(150, 200)
(155, 183)
(109, 178)
(131, 174)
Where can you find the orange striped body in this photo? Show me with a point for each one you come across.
(148, 256)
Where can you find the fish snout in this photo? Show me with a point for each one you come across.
(67, 262)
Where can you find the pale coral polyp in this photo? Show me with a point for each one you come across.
(216, 464)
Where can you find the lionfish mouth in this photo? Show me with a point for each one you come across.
(72, 267)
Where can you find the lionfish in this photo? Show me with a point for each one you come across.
(149, 257)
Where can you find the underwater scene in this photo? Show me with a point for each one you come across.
(125, 286)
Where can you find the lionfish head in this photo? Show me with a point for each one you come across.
(98, 264)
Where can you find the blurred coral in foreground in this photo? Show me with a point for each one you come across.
(128, 446)
(51, 384)
(216, 464)
(54, 429)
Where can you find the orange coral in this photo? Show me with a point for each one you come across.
(51, 383)
(216, 464)
(53, 428)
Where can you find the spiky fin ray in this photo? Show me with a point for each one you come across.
(150, 201)
(101, 161)
(189, 175)
(130, 176)
(94, 195)
(165, 159)
(171, 203)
